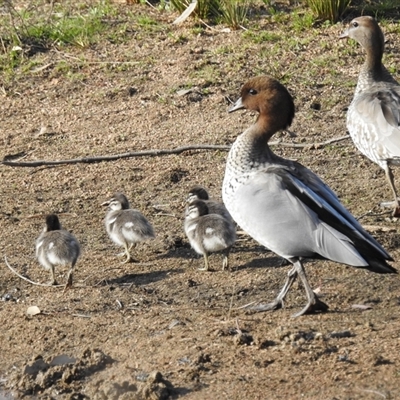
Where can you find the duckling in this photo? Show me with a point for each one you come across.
(214, 207)
(56, 246)
(373, 118)
(285, 206)
(126, 226)
(208, 233)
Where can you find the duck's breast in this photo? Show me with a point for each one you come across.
(373, 120)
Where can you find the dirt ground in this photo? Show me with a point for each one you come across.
(160, 328)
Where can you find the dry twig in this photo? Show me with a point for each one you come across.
(158, 152)
(26, 279)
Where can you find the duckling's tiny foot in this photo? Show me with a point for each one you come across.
(316, 306)
(67, 286)
(275, 305)
(204, 269)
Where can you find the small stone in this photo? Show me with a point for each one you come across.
(341, 334)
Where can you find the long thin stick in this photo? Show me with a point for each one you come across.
(89, 160)
(26, 279)
(158, 152)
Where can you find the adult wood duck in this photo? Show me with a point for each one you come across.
(373, 118)
(285, 206)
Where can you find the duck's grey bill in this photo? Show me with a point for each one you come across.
(344, 35)
(237, 106)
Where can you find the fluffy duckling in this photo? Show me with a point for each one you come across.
(373, 118)
(56, 246)
(208, 233)
(214, 207)
(126, 226)
(285, 206)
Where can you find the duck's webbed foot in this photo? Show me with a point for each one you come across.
(274, 305)
(314, 306)
(278, 302)
(394, 205)
(206, 263)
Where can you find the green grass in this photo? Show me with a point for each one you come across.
(33, 26)
(262, 36)
(229, 12)
(39, 27)
(145, 21)
(77, 30)
(234, 12)
(381, 8)
(302, 21)
(328, 10)
(204, 8)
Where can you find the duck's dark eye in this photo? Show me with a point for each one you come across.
(252, 92)
(355, 24)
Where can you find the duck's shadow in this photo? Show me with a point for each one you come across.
(268, 262)
(139, 279)
(186, 252)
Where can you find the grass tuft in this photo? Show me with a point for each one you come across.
(204, 8)
(234, 12)
(39, 27)
(230, 12)
(328, 10)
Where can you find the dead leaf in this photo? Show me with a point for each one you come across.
(191, 7)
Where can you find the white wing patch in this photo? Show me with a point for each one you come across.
(56, 260)
(192, 227)
(129, 225)
(209, 231)
(214, 243)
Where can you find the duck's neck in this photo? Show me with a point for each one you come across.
(251, 149)
(373, 70)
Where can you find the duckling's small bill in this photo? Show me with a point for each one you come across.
(125, 226)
